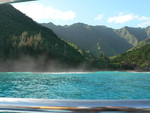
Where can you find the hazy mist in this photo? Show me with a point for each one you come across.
(40, 64)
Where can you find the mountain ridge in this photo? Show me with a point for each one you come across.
(20, 36)
(25, 45)
(100, 38)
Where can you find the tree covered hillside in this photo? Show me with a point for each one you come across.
(21, 36)
(141, 44)
(137, 59)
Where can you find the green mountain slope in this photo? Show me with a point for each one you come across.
(101, 39)
(141, 44)
(96, 39)
(136, 59)
(20, 36)
(147, 30)
(132, 35)
(124, 33)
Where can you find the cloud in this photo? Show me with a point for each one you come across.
(143, 18)
(99, 17)
(146, 21)
(38, 12)
(144, 24)
(122, 18)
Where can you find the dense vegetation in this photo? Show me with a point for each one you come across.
(136, 59)
(141, 44)
(26, 43)
(21, 36)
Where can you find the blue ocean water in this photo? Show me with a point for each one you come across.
(96, 85)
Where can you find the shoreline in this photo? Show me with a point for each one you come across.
(76, 72)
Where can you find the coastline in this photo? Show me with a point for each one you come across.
(75, 72)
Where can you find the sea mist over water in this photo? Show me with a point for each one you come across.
(39, 64)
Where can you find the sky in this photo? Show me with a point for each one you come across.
(111, 13)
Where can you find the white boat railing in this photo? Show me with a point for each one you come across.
(52, 105)
(13, 1)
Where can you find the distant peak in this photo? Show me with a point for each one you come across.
(100, 26)
(79, 23)
(50, 23)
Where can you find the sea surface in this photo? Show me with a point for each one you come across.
(95, 85)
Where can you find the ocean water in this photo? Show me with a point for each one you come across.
(95, 85)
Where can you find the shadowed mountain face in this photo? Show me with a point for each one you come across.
(132, 35)
(20, 36)
(100, 39)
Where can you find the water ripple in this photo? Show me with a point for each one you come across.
(99, 85)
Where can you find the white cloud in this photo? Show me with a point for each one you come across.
(143, 18)
(99, 17)
(122, 18)
(38, 12)
(144, 24)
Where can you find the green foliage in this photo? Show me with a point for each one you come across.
(20, 35)
(103, 63)
(25, 44)
(141, 44)
(137, 59)
(84, 53)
